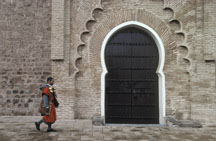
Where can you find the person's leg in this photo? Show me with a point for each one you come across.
(37, 124)
(49, 126)
(40, 121)
(49, 129)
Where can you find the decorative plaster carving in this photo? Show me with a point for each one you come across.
(85, 35)
(176, 25)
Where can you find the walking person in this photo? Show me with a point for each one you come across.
(48, 105)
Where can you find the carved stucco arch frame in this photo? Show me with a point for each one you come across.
(149, 23)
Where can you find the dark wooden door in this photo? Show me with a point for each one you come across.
(131, 84)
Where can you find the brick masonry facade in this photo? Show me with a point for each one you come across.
(70, 52)
(25, 34)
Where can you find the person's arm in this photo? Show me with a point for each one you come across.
(45, 101)
(45, 94)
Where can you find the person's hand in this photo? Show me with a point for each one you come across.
(47, 110)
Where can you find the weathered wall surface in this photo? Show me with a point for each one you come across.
(24, 54)
(113, 13)
(186, 28)
(184, 98)
(203, 55)
(87, 101)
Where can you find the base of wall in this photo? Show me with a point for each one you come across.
(183, 123)
(98, 120)
(170, 121)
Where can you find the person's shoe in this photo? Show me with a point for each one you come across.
(51, 130)
(37, 125)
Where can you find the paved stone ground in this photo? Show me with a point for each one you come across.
(22, 128)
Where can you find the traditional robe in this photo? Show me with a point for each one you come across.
(51, 118)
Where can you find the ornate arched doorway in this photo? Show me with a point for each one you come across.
(131, 84)
(138, 72)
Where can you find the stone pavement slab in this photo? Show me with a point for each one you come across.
(22, 128)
